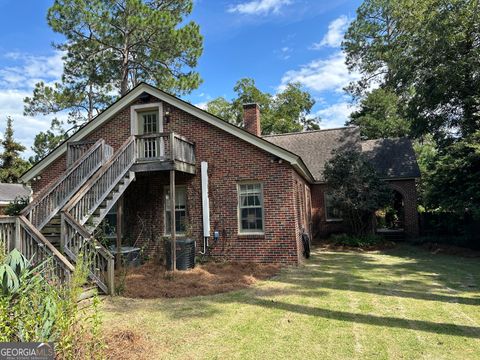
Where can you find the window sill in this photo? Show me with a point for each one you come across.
(252, 235)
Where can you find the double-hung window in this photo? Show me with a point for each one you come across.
(180, 210)
(250, 206)
(331, 212)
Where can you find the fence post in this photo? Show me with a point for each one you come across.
(18, 234)
(111, 275)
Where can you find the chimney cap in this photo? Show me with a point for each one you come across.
(250, 104)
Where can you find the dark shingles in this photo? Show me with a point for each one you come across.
(8, 192)
(392, 158)
(315, 147)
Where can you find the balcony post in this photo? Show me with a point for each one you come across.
(172, 222)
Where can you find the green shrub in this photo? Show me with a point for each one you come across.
(34, 309)
(15, 207)
(356, 240)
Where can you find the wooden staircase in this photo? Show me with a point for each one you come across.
(52, 231)
(59, 223)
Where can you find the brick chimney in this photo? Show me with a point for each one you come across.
(251, 118)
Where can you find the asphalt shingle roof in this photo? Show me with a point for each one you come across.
(392, 158)
(8, 192)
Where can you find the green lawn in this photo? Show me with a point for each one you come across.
(402, 304)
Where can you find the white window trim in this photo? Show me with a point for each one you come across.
(136, 109)
(166, 188)
(327, 219)
(239, 216)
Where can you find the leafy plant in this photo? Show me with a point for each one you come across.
(36, 307)
(355, 189)
(15, 207)
(357, 240)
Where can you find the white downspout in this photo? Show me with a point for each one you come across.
(205, 206)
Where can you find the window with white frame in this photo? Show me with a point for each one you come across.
(250, 206)
(331, 212)
(180, 210)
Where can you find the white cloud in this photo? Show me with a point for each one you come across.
(329, 74)
(16, 83)
(335, 115)
(334, 35)
(30, 69)
(259, 7)
(285, 53)
(202, 105)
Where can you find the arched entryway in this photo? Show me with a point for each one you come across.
(392, 216)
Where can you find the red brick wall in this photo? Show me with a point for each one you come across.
(321, 227)
(230, 161)
(408, 190)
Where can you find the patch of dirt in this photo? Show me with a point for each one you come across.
(386, 245)
(127, 344)
(151, 281)
(445, 249)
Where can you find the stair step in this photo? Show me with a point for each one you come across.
(88, 292)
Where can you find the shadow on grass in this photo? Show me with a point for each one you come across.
(334, 271)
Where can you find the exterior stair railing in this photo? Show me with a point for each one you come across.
(75, 214)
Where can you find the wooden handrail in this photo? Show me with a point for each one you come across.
(88, 185)
(84, 233)
(48, 203)
(40, 238)
(152, 135)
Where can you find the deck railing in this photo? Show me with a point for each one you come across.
(183, 150)
(7, 233)
(19, 233)
(166, 146)
(98, 259)
(47, 204)
(152, 147)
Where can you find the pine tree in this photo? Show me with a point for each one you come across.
(12, 165)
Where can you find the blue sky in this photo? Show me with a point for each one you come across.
(272, 41)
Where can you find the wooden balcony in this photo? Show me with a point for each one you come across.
(164, 151)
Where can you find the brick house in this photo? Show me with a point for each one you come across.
(257, 194)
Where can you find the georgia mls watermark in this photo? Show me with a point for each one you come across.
(27, 351)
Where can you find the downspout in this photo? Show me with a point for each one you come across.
(205, 206)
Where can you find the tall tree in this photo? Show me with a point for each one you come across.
(12, 165)
(138, 40)
(46, 141)
(425, 51)
(380, 116)
(113, 45)
(287, 111)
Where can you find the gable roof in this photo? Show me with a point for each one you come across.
(9, 192)
(285, 154)
(391, 158)
(315, 147)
